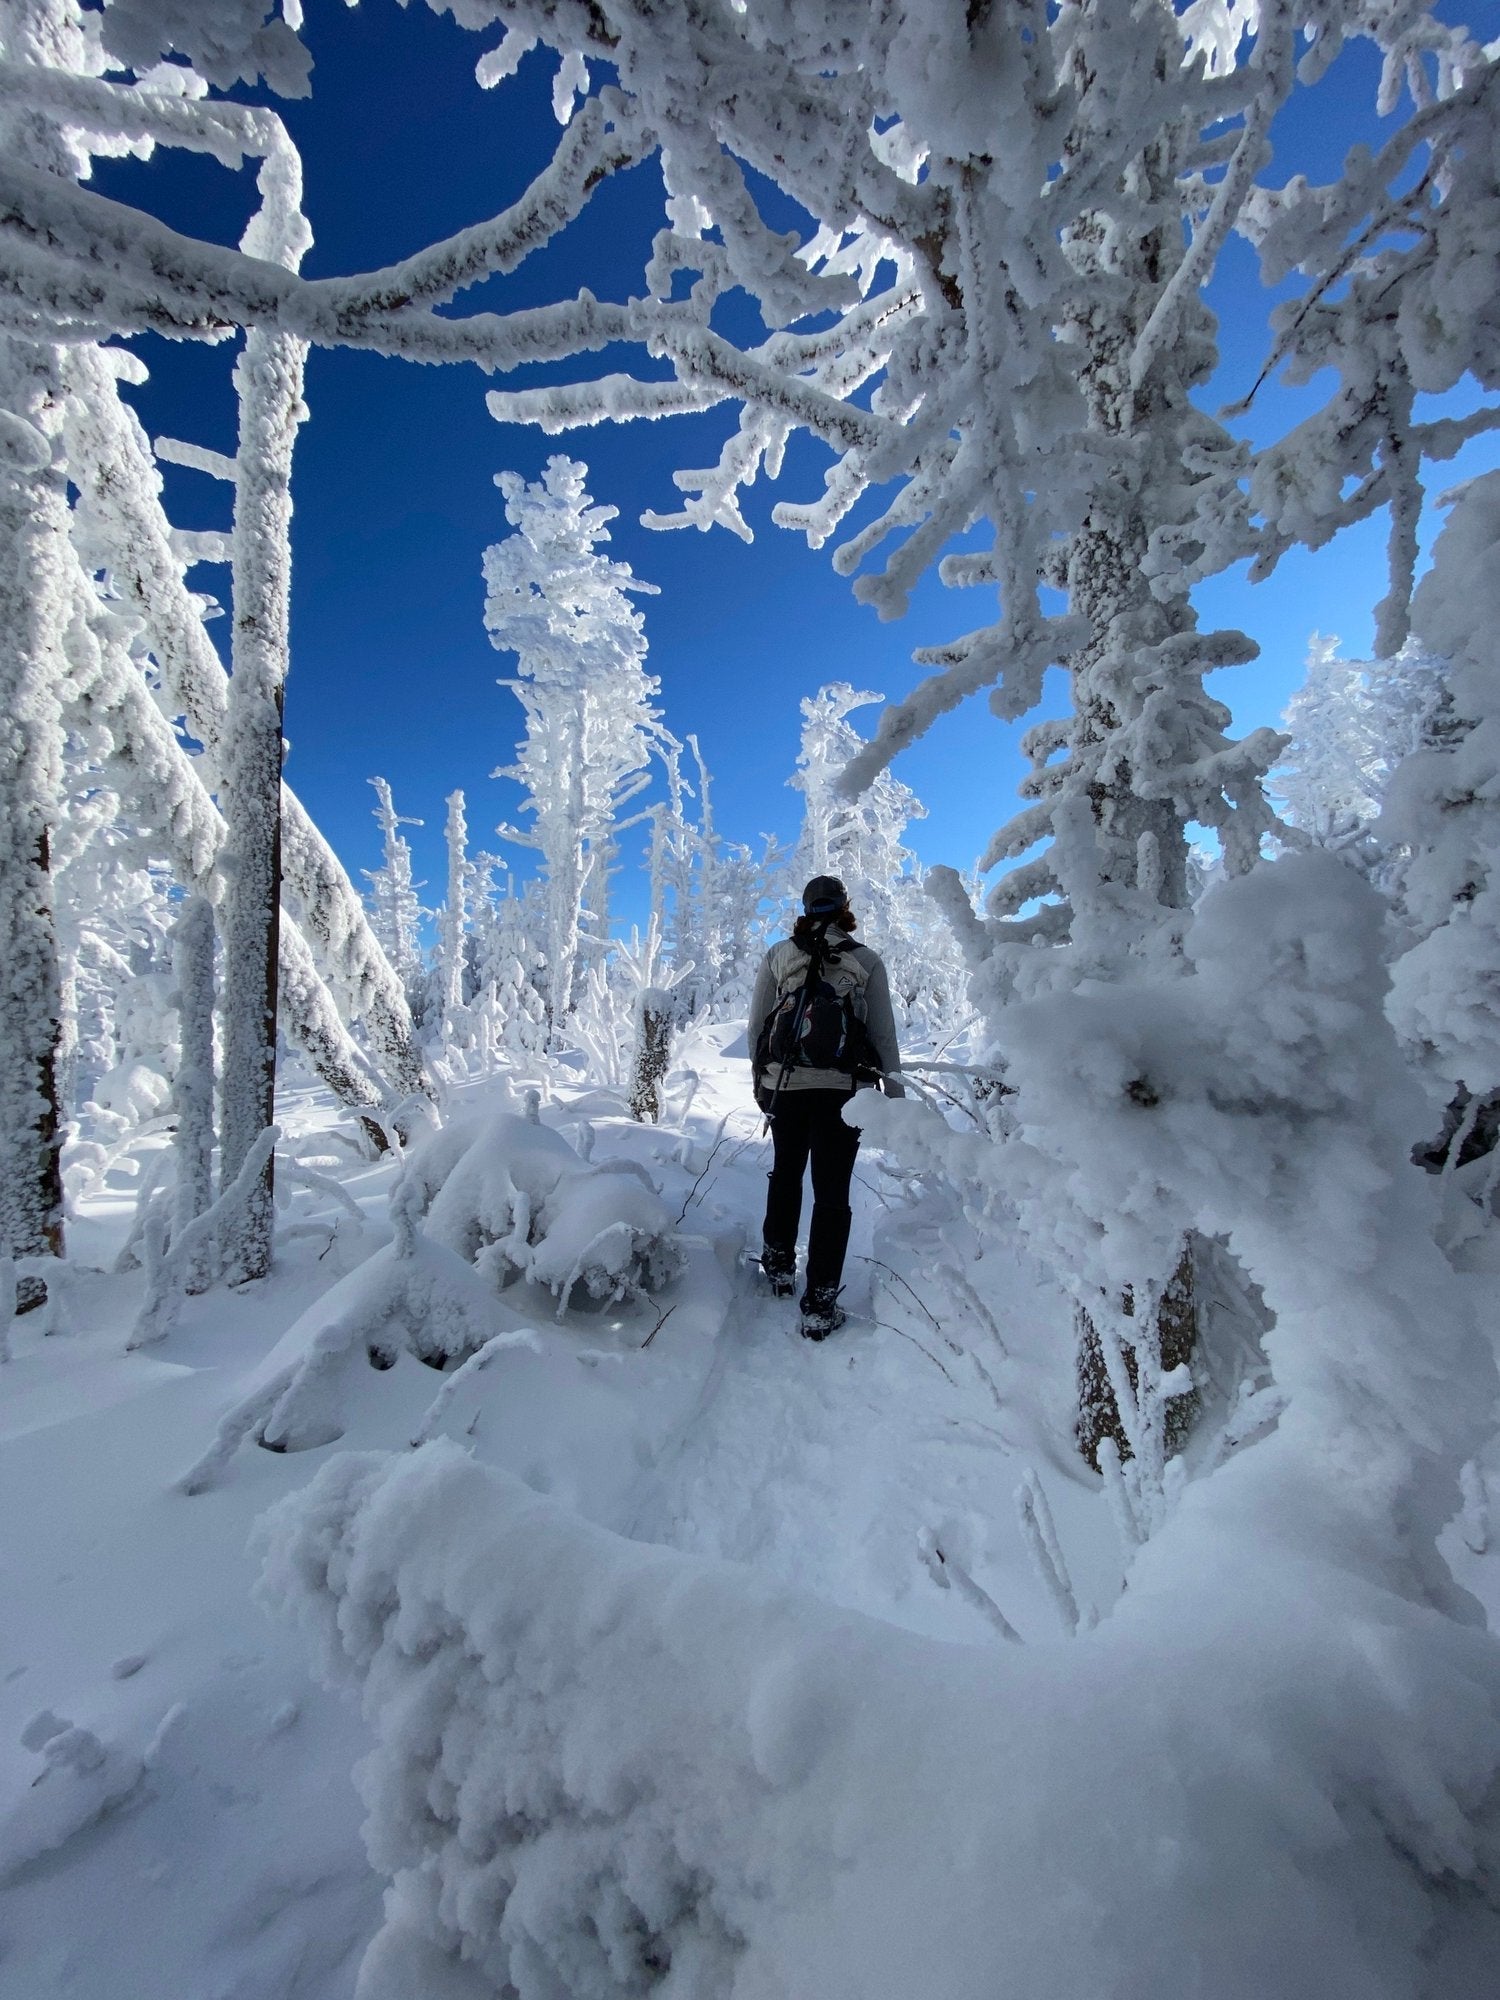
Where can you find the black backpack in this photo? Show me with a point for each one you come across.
(812, 1027)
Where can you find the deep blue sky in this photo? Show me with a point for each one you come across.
(392, 673)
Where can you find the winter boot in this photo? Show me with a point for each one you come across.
(780, 1270)
(821, 1312)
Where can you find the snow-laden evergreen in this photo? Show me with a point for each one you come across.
(1350, 724)
(564, 610)
(861, 841)
(395, 913)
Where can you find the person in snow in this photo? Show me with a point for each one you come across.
(820, 1029)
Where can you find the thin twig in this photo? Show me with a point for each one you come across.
(890, 1273)
(657, 1328)
(888, 1328)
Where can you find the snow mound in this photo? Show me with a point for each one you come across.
(81, 1780)
(506, 1199)
(609, 1770)
(519, 1203)
(414, 1296)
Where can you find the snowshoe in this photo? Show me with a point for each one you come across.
(821, 1312)
(779, 1268)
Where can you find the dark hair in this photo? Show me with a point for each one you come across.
(807, 931)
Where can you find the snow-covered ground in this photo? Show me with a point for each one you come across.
(204, 1838)
(790, 1796)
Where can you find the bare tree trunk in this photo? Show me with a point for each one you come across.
(653, 1053)
(1099, 1414)
(269, 380)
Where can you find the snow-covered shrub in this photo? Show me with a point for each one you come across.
(414, 1296)
(610, 1770)
(1275, 1117)
(520, 1203)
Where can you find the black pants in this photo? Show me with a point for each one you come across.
(807, 1125)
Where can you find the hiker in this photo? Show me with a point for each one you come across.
(820, 1029)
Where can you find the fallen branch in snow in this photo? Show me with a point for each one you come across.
(464, 1375)
(949, 1574)
(1040, 1536)
(657, 1328)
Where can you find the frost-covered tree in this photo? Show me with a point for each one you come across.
(683, 862)
(35, 607)
(1444, 807)
(395, 913)
(564, 610)
(268, 386)
(508, 967)
(452, 964)
(861, 840)
(1350, 724)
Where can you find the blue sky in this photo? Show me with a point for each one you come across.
(392, 673)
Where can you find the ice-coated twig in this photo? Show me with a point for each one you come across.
(234, 1428)
(949, 1574)
(718, 1140)
(886, 1327)
(464, 1375)
(658, 1327)
(1121, 1506)
(1040, 1536)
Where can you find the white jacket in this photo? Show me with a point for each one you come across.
(856, 973)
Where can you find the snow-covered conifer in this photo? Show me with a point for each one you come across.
(395, 913)
(453, 926)
(1350, 724)
(580, 645)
